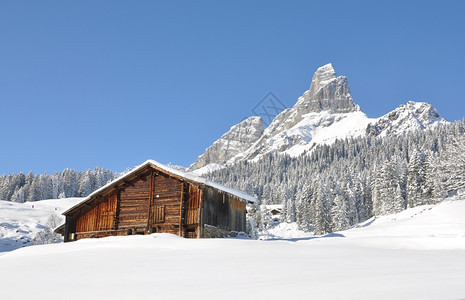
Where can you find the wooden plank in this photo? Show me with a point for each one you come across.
(135, 203)
(118, 203)
(181, 203)
(200, 227)
(151, 199)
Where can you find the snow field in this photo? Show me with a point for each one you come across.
(416, 254)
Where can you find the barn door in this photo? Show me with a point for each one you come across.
(193, 206)
(157, 207)
(192, 212)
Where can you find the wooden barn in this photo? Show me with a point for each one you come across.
(157, 198)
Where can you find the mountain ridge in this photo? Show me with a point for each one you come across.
(325, 112)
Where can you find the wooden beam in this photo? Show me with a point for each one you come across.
(200, 233)
(143, 178)
(118, 203)
(120, 188)
(66, 235)
(151, 201)
(128, 183)
(181, 215)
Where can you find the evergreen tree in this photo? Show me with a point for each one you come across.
(322, 217)
(340, 212)
(85, 184)
(34, 190)
(414, 181)
(304, 208)
(399, 200)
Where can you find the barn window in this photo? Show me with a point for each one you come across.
(159, 214)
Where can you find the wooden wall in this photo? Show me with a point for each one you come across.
(223, 211)
(134, 205)
(168, 192)
(98, 215)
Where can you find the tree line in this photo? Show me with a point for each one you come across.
(334, 187)
(69, 183)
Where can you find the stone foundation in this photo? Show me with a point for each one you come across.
(215, 232)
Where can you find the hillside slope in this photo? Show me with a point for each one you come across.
(416, 254)
(20, 222)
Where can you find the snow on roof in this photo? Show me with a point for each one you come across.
(236, 193)
(274, 206)
(189, 176)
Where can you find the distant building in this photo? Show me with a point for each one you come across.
(157, 198)
(274, 209)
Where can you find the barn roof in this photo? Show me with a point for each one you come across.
(171, 171)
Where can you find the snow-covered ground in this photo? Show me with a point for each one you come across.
(20, 222)
(283, 231)
(416, 254)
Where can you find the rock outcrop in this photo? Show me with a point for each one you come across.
(406, 118)
(237, 140)
(327, 92)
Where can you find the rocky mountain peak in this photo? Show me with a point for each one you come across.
(321, 77)
(327, 92)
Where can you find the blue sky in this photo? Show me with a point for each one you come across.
(113, 83)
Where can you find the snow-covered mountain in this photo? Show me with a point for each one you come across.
(324, 113)
(237, 140)
(406, 118)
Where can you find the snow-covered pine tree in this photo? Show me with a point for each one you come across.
(321, 208)
(339, 211)
(415, 179)
(85, 184)
(291, 210)
(305, 209)
(34, 189)
(453, 166)
(46, 187)
(399, 200)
